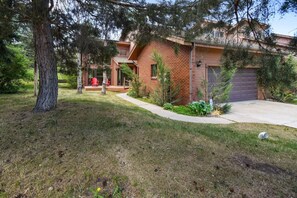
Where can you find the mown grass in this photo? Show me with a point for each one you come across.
(184, 110)
(93, 141)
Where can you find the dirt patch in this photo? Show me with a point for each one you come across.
(246, 162)
(126, 168)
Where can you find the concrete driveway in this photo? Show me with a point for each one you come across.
(259, 111)
(253, 111)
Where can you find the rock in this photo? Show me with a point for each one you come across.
(263, 135)
(50, 188)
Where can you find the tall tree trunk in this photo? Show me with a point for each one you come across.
(35, 78)
(79, 73)
(46, 60)
(35, 69)
(103, 90)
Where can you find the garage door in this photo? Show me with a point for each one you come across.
(244, 84)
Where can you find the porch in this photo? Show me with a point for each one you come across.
(121, 89)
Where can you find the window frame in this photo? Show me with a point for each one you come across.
(123, 52)
(154, 71)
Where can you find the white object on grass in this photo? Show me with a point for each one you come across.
(211, 104)
(263, 135)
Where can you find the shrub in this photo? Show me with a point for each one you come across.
(135, 82)
(289, 96)
(200, 108)
(72, 81)
(231, 60)
(168, 106)
(144, 92)
(277, 76)
(165, 91)
(185, 110)
(13, 69)
(223, 109)
(220, 92)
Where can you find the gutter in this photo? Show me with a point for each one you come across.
(191, 71)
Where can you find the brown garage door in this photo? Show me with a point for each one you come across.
(244, 84)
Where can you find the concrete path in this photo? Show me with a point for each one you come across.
(174, 116)
(255, 111)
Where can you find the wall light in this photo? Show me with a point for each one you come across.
(199, 63)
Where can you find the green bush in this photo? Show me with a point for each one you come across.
(30, 74)
(277, 76)
(168, 106)
(289, 96)
(220, 92)
(165, 91)
(72, 81)
(200, 108)
(184, 110)
(135, 82)
(223, 109)
(13, 69)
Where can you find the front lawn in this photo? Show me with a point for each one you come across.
(93, 141)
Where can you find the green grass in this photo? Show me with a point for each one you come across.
(184, 110)
(93, 141)
(146, 99)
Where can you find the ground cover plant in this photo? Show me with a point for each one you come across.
(93, 141)
(195, 108)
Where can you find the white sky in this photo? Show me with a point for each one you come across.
(286, 24)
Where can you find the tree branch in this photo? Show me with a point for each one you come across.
(51, 6)
(130, 5)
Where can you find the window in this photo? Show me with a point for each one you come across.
(154, 70)
(214, 34)
(218, 34)
(123, 52)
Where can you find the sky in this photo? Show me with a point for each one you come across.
(286, 24)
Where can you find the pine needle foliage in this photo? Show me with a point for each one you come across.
(135, 82)
(13, 69)
(166, 91)
(277, 76)
(232, 59)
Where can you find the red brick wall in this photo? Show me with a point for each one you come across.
(126, 48)
(208, 57)
(178, 64)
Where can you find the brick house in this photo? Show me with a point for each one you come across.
(196, 63)
(191, 67)
(117, 77)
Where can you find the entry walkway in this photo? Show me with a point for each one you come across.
(174, 116)
(254, 111)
